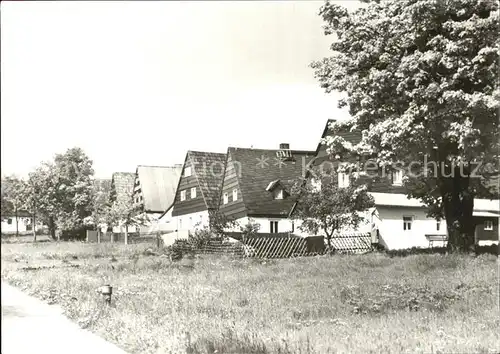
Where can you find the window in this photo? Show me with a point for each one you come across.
(438, 225)
(343, 180)
(235, 195)
(397, 177)
(293, 226)
(488, 225)
(9, 221)
(278, 194)
(193, 192)
(226, 198)
(407, 221)
(183, 196)
(187, 171)
(273, 227)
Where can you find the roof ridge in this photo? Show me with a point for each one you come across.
(254, 149)
(206, 152)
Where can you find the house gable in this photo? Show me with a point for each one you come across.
(205, 177)
(186, 182)
(234, 209)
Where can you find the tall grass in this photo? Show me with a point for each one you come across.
(218, 304)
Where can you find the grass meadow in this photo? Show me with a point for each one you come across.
(368, 303)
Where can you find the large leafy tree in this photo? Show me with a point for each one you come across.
(61, 191)
(12, 197)
(328, 209)
(420, 79)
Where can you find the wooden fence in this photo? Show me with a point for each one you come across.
(119, 237)
(283, 245)
(295, 246)
(352, 242)
(279, 245)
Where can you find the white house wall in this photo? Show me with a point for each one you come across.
(22, 220)
(392, 235)
(190, 222)
(284, 225)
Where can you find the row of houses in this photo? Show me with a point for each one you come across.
(253, 185)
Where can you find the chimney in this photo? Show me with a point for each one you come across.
(284, 152)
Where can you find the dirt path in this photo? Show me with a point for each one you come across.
(31, 326)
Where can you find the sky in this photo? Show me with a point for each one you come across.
(140, 83)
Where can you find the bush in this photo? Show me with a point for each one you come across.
(201, 238)
(179, 249)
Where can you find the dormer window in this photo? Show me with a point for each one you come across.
(397, 177)
(278, 194)
(187, 171)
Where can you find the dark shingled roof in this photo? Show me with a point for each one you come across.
(259, 168)
(158, 186)
(352, 137)
(208, 167)
(122, 186)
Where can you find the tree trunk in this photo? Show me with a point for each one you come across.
(126, 234)
(17, 224)
(458, 203)
(52, 228)
(34, 227)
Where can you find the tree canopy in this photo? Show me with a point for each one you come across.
(61, 191)
(420, 79)
(327, 208)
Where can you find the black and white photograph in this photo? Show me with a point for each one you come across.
(250, 177)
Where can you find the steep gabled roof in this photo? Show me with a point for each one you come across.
(208, 167)
(158, 186)
(122, 186)
(353, 137)
(258, 168)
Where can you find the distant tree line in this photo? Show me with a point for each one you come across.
(63, 195)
